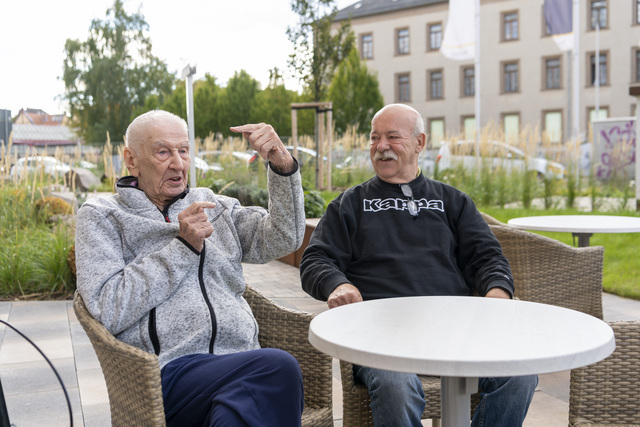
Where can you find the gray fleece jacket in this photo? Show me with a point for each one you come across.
(154, 291)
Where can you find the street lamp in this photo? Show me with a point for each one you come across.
(187, 74)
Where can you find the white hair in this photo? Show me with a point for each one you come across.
(138, 131)
(418, 127)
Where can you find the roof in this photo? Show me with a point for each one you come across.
(373, 7)
(39, 117)
(43, 135)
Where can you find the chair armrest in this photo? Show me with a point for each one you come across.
(132, 375)
(288, 330)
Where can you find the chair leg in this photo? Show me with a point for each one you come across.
(435, 422)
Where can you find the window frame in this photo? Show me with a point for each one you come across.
(399, 50)
(545, 72)
(635, 64)
(503, 117)
(544, 123)
(463, 129)
(362, 45)
(590, 16)
(398, 86)
(503, 76)
(431, 96)
(430, 121)
(504, 25)
(430, 47)
(590, 82)
(463, 81)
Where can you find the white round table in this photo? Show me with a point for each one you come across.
(461, 339)
(582, 226)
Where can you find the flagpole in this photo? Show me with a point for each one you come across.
(576, 71)
(597, 73)
(476, 78)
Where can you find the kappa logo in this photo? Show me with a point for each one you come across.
(377, 205)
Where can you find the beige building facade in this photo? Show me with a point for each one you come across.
(525, 79)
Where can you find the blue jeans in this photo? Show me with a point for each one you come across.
(397, 398)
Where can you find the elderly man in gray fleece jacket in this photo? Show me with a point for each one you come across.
(159, 265)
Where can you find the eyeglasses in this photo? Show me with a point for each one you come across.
(412, 206)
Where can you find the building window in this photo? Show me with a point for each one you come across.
(468, 81)
(637, 12)
(366, 46)
(469, 127)
(601, 67)
(598, 14)
(552, 73)
(403, 91)
(553, 126)
(435, 84)
(600, 114)
(511, 126)
(509, 26)
(436, 132)
(435, 36)
(510, 77)
(402, 41)
(636, 61)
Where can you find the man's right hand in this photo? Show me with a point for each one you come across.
(344, 294)
(195, 225)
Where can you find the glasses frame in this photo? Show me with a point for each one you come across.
(412, 205)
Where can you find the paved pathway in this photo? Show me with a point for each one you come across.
(35, 398)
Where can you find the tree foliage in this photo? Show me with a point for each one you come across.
(317, 52)
(355, 94)
(111, 73)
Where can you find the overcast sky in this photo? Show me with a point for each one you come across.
(220, 37)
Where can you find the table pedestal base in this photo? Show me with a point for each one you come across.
(583, 239)
(456, 400)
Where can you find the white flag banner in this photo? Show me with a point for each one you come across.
(459, 41)
(558, 15)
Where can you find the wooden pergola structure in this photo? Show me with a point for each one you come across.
(323, 136)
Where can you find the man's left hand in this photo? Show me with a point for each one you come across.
(498, 293)
(264, 139)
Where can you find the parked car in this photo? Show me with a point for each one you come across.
(205, 167)
(52, 166)
(305, 155)
(496, 154)
(221, 158)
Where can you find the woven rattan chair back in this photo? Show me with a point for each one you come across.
(491, 220)
(551, 272)
(608, 393)
(288, 330)
(132, 375)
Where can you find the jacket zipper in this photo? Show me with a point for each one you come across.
(214, 322)
(153, 333)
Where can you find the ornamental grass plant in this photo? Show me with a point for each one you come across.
(37, 234)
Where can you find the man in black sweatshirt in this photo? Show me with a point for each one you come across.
(402, 234)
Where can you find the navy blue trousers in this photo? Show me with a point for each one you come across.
(253, 388)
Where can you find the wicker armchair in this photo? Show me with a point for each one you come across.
(608, 393)
(551, 272)
(133, 376)
(491, 220)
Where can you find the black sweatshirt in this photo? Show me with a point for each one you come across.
(368, 238)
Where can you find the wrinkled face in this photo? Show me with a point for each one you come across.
(394, 150)
(161, 163)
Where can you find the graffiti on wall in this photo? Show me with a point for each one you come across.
(615, 153)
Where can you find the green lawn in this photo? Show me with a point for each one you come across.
(621, 274)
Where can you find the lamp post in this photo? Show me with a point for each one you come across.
(187, 74)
